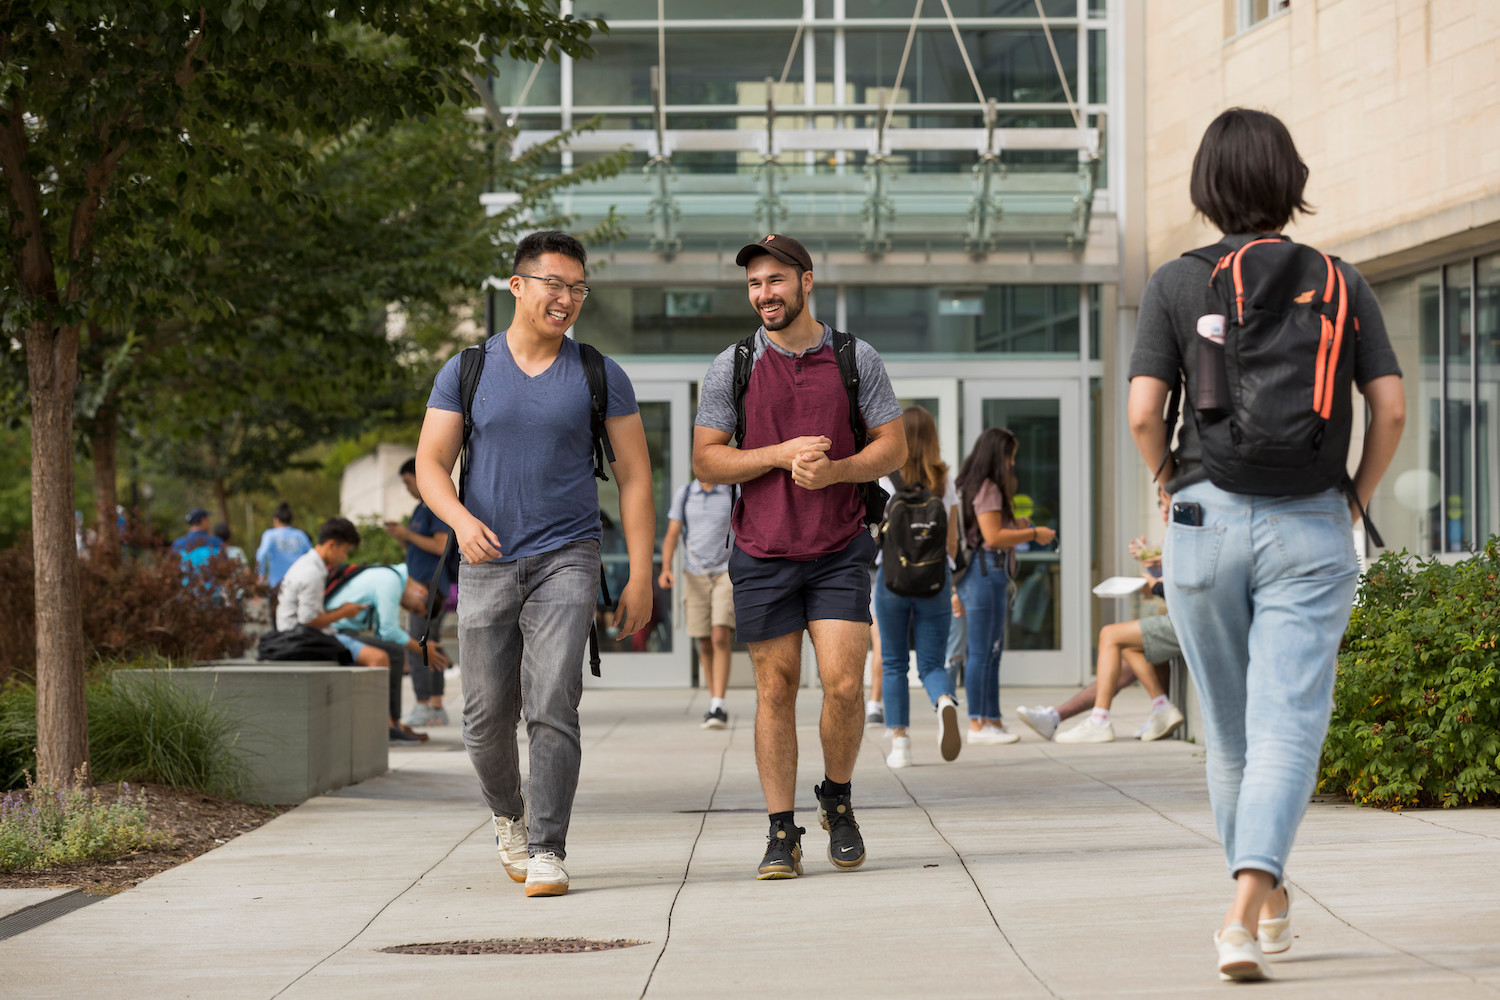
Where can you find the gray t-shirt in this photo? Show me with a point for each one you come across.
(1166, 342)
(704, 516)
(531, 458)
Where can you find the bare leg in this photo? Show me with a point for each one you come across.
(1145, 671)
(877, 674)
(1254, 899)
(706, 662)
(719, 643)
(778, 672)
(1113, 641)
(840, 648)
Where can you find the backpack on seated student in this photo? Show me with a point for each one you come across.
(1275, 370)
(302, 643)
(914, 541)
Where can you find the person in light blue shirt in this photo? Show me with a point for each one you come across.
(280, 546)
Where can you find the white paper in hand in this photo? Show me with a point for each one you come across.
(1119, 586)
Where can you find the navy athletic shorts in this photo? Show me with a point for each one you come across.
(775, 597)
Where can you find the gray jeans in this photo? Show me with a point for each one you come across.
(522, 629)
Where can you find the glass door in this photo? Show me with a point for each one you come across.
(1045, 641)
(657, 656)
(940, 397)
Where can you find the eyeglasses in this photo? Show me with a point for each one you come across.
(579, 292)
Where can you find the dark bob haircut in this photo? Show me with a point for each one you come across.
(534, 245)
(409, 467)
(1247, 176)
(338, 529)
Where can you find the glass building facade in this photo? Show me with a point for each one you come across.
(950, 177)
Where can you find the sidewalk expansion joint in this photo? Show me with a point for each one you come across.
(975, 882)
(692, 852)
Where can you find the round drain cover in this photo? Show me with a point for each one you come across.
(511, 946)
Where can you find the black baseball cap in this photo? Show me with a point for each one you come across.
(196, 514)
(783, 248)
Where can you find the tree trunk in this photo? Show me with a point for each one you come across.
(107, 543)
(61, 713)
(221, 499)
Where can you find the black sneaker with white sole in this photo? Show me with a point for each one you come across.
(717, 719)
(846, 848)
(783, 852)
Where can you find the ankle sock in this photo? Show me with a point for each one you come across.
(1157, 704)
(784, 818)
(831, 789)
(714, 704)
(1100, 716)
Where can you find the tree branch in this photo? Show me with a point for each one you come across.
(33, 258)
(186, 73)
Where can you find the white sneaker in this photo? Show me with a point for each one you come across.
(1088, 731)
(1161, 722)
(418, 715)
(900, 755)
(510, 844)
(1042, 719)
(991, 735)
(950, 737)
(1240, 956)
(1275, 933)
(545, 875)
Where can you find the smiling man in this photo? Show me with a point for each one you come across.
(802, 554)
(528, 530)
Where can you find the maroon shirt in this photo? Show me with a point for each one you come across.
(776, 518)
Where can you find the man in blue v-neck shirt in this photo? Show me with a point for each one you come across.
(529, 532)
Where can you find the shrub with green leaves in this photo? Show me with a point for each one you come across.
(1416, 713)
(40, 828)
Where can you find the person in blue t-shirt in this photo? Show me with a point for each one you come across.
(425, 538)
(280, 546)
(199, 545)
(529, 531)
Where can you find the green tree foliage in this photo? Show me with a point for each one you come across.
(1416, 716)
(95, 97)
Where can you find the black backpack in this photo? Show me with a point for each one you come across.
(1273, 403)
(873, 497)
(914, 541)
(470, 368)
(302, 642)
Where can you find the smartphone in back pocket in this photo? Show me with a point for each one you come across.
(1187, 513)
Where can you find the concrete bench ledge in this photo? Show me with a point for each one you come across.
(308, 728)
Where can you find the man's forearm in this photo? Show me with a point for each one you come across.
(638, 519)
(878, 458)
(726, 465)
(438, 491)
(430, 543)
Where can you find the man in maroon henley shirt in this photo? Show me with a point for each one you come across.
(802, 552)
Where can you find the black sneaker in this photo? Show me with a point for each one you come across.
(717, 719)
(846, 848)
(783, 852)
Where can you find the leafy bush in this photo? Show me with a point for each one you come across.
(145, 730)
(1416, 715)
(42, 829)
(375, 546)
(133, 606)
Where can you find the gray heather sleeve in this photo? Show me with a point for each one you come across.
(1373, 355)
(679, 504)
(716, 394)
(1155, 353)
(877, 400)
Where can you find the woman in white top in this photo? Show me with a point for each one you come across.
(900, 618)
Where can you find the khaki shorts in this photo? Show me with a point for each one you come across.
(1159, 639)
(707, 601)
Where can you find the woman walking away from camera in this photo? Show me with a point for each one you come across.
(986, 493)
(925, 619)
(1264, 338)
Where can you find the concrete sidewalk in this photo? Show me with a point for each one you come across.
(1031, 870)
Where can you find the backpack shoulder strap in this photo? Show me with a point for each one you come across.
(598, 379)
(897, 481)
(843, 350)
(470, 368)
(744, 363)
(1211, 254)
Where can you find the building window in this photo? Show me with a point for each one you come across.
(1442, 493)
(1252, 12)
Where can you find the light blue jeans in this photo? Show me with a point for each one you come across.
(1260, 597)
(926, 620)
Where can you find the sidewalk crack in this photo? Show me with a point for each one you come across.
(376, 915)
(975, 882)
(692, 852)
